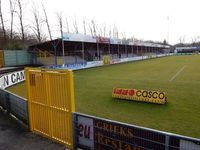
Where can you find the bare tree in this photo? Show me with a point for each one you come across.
(47, 21)
(99, 30)
(94, 27)
(115, 32)
(12, 11)
(110, 32)
(90, 28)
(37, 24)
(104, 30)
(75, 25)
(123, 37)
(182, 39)
(59, 17)
(20, 15)
(195, 40)
(67, 25)
(84, 27)
(2, 23)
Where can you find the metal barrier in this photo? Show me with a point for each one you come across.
(51, 103)
(98, 134)
(14, 105)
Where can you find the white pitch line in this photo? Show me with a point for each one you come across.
(174, 76)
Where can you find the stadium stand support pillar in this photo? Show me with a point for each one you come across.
(142, 53)
(34, 56)
(147, 51)
(98, 52)
(55, 56)
(118, 50)
(63, 49)
(126, 50)
(109, 48)
(132, 50)
(83, 51)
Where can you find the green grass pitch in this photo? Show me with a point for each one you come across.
(178, 76)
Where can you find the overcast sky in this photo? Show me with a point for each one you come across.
(143, 19)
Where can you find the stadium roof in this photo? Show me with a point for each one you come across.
(72, 41)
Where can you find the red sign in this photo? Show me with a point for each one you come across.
(103, 40)
(139, 95)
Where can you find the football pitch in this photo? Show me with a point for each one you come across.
(177, 76)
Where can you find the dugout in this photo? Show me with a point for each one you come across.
(58, 51)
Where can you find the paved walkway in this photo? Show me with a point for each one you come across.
(13, 136)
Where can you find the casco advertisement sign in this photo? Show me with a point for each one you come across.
(139, 95)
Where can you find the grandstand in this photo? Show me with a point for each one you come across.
(78, 48)
(194, 49)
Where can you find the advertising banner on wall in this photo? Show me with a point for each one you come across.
(185, 144)
(12, 78)
(85, 131)
(103, 40)
(78, 37)
(124, 42)
(98, 133)
(102, 134)
(115, 41)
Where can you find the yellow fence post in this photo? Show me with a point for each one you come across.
(51, 103)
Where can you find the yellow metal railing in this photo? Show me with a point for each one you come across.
(51, 103)
(43, 55)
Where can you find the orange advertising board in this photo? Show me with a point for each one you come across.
(139, 95)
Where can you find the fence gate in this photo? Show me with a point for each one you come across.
(51, 103)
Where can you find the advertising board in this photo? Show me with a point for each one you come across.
(12, 78)
(139, 95)
(103, 40)
(115, 41)
(78, 37)
(103, 134)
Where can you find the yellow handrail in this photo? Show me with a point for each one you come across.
(44, 55)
